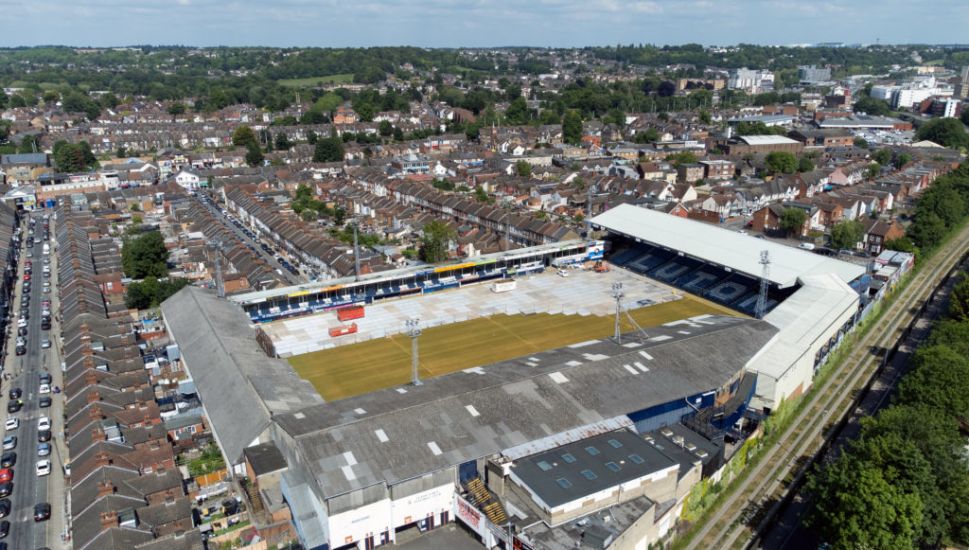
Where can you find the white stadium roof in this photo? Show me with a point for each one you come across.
(723, 247)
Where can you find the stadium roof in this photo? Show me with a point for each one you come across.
(723, 247)
(403, 433)
(240, 387)
(768, 140)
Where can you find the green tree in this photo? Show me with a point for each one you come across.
(873, 171)
(434, 244)
(177, 108)
(398, 134)
(947, 132)
(883, 156)
(243, 136)
(845, 235)
(254, 156)
(858, 508)
(873, 106)
(705, 117)
(861, 142)
(385, 128)
(748, 128)
(523, 169)
(901, 244)
(328, 102)
(311, 137)
(964, 117)
(927, 231)
(682, 158)
(145, 256)
(329, 150)
(572, 128)
(73, 157)
(959, 300)
(792, 220)
(901, 160)
(517, 112)
(778, 162)
(649, 135)
(282, 142)
(805, 164)
(151, 292)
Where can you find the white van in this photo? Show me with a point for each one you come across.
(46, 249)
(802, 246)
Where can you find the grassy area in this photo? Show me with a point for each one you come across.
(346, 371)
(316, 80)
(210, 461)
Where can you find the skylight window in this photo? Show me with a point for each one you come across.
(636, 459)
(592, 450)
(589, 474)
(564, 483)
(614, 443)
(569, 458)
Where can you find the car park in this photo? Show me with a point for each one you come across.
(9, 443)
(42, 468)
(11, 424)
(42, 512)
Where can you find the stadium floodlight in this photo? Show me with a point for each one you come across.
(617, 293)
(414, 330)
(761, 308)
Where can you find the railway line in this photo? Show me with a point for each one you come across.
(736, 520)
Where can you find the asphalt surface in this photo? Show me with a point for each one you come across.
(789, 531)
(270, 259)
(24, 372)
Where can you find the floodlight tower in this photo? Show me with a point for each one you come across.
(414, 330)
(764, 284)
(617, 294)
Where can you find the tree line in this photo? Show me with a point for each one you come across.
(904, 483)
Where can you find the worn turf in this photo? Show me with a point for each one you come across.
(346, 371)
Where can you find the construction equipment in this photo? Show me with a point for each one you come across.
(601, 267)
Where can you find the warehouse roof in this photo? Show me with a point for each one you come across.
(574, 471)
(401, 433)
(716, 245)
(768, 140)
(239, 386)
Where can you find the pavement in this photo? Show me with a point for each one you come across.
(24, 372)
(450, 536)
(269, 258)
(582, 292)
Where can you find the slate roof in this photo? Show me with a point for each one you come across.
(240, 387)
(401, 433)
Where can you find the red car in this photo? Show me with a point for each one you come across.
(6, 475)
(27, 277)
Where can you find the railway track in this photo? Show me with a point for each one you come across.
(734, 522)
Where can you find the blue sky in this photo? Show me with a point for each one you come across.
(451, 23)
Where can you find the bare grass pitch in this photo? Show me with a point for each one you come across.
(346, 371)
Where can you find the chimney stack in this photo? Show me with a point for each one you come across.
(105, 488)
(109, 520)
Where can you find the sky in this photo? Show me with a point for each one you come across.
(478, 23)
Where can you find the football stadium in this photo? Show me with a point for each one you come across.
(526, 421)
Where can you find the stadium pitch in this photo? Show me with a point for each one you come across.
(347, 371)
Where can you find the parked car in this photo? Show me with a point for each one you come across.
(42, 512)
(43, 436)
(43, 449)
(44, 402)
(15, 393)
(9, 443)
(43, 468)
(43, 423)
(6, 489)
(4, 529)
(6, 474)
(14, 406)
(4, 508)
(8, 459)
